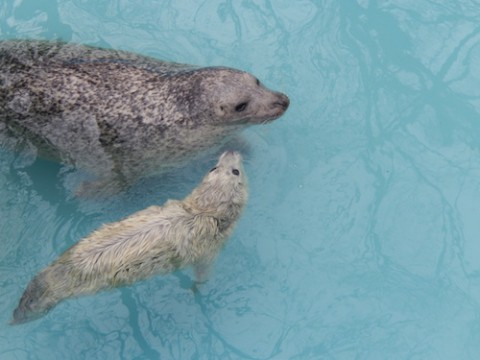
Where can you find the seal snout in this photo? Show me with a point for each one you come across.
(230, 154)
(230, 158)
(282, 102)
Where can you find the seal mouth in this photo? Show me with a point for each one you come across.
(260, 120)
(271, 118)
(275, 116)
(283, 102)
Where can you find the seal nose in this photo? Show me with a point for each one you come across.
(231, 156)
(283, 101)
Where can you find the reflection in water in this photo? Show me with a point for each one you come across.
(33, 19)
(360, 239)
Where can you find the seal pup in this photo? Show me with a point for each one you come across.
(156, 240)
(120, 115)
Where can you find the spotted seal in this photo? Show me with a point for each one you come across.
(153, 241)
(121, 115)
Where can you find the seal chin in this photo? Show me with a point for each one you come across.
(267, 119)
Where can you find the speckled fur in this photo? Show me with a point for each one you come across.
(156, 240)
(121, 115)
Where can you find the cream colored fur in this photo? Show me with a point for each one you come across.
(157, 240)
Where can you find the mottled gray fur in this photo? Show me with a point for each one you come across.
(153, 241)
(120, 115)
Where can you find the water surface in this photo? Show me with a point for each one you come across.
(361, 239)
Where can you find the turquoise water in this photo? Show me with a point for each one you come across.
(361, 239)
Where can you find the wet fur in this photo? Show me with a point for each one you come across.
(157, 240)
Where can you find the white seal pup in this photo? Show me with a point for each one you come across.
(157, 240)
(121, 115)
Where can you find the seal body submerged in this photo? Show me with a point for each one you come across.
(120, 115)
(152, 241)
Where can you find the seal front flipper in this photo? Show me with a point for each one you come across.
(202, 269)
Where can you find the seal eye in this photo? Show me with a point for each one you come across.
(235, 172)
(258, 82)
(240, 107)
(213, 169)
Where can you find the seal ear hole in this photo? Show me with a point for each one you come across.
(235, 172)
(240, 107)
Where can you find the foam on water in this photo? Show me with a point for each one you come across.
(361, 239)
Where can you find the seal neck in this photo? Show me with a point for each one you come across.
(224, 208)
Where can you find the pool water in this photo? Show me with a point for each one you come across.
(361, 238)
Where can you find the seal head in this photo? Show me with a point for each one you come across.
(239, 98)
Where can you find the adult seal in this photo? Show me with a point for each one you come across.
(120, 115)
(153, 241)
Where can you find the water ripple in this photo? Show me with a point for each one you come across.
(360, 237)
